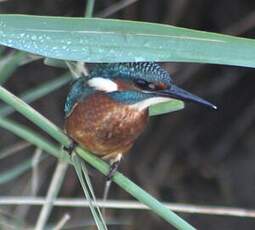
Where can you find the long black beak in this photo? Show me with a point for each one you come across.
(181, 94)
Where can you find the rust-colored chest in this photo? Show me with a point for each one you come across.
(105, 127)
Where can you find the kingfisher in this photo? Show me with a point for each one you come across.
(106, 111)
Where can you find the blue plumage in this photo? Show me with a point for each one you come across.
(148, 71)
(150, 77)
(78, 91)
(129, 97)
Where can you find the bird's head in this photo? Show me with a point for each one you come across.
(139, 84)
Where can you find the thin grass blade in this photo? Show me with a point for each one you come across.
(9, 64)
(38, 92)
(55, 63)
(34, 138)
(13, 149)
(33, 115)
(78, 169)
(52, 193)
(89, 8)
(91, 190)
(18, 170)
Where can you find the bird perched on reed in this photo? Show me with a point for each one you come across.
(106, 111)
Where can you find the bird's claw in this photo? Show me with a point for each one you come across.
(113, 168)
(70, 148)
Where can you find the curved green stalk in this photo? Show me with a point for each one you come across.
(34, 138)
(33, 115)
(38, 92)
(100, 165)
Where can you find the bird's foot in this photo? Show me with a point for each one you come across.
(114, 166)
(70, 148)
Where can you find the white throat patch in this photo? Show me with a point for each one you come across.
(148, 102)
(103, 84)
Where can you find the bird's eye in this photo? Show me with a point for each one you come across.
(141, 83)
(145, 85)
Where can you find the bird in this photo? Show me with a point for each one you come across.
(106, 111)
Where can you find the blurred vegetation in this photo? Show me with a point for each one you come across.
(192, 156)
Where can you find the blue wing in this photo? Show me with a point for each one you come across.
(79, 90)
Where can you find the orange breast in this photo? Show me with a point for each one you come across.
(105, 127)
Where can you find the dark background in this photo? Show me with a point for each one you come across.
(195, 156)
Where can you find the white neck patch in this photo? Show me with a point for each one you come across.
(103, 84)
(141, 105)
